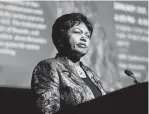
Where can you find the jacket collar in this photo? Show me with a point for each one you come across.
(65, 59)
(70, 68)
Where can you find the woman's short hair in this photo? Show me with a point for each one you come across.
(63, 23)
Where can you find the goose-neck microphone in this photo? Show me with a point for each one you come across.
(129, 73)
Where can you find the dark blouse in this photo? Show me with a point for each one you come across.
(92, 86)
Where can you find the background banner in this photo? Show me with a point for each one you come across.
(119, 40)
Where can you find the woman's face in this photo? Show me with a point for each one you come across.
(78, 39)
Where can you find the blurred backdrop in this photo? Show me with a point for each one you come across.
(119, 41)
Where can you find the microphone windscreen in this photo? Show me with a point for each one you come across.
(128, 72)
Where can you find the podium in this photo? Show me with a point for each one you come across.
(129, 100)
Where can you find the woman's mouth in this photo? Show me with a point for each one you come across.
(82, 45)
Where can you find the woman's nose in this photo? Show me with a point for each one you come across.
(83, 38)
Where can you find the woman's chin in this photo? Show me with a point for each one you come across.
(81, 53)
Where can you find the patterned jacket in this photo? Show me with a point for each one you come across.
(56, 85)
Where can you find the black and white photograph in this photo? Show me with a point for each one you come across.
(73, 57)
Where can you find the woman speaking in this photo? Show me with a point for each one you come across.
(65, 81)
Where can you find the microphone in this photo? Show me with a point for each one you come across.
(129, 73)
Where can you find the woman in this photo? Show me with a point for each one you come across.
(65, 81)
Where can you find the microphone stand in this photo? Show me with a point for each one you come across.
(135, 80)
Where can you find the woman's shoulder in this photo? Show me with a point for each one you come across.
(48, 61)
